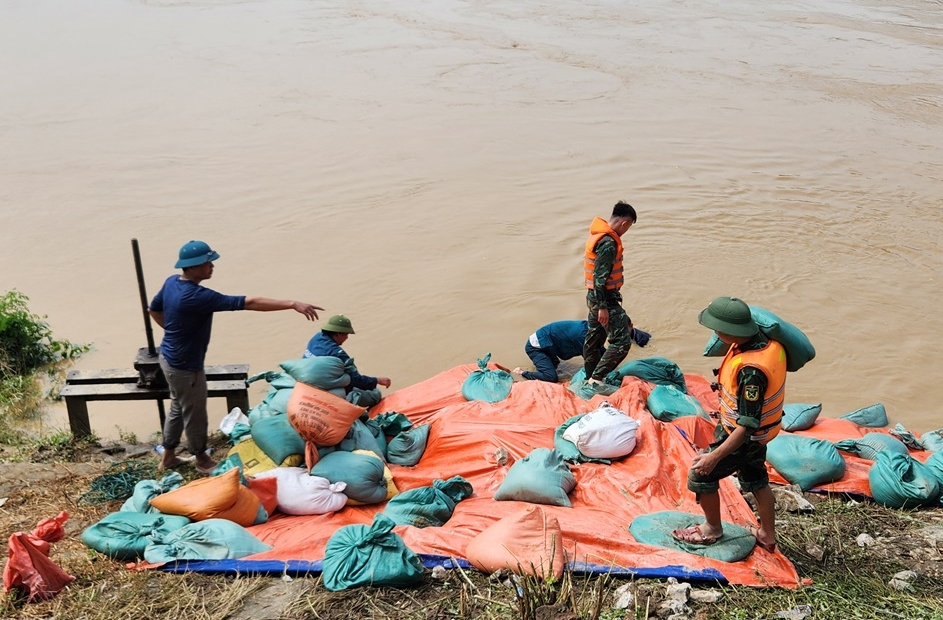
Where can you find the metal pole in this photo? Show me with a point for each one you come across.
(148, 331)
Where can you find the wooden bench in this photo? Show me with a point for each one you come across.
(83, 386)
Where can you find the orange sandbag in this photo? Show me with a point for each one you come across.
(528, 542)
(221, 497)
(320, 417)
(266, 489)
(29, 567)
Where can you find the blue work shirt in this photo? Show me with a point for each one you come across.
(188, 320)
(323, 345)
(563, 339)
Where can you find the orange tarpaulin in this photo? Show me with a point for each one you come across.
(463, 441)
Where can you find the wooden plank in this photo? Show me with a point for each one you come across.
(129, 375)
(131, 391)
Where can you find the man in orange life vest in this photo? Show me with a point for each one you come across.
(603, 278)
(752, 382)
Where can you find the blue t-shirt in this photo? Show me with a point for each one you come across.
(188, 319)
(322, 345)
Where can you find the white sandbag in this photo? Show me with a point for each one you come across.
(604, 433)
(302, 494)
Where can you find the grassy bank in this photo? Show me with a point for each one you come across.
(847, 580)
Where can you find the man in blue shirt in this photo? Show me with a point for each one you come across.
(560, 340)
(184, 309)
(328, 341)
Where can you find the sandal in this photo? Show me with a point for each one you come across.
(693, 536)
(771, 547)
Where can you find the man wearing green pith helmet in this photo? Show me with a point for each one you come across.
(751, 381)
(184, 309)
(328, 341)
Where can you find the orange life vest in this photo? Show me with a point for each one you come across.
(771, 359)
(597, 230)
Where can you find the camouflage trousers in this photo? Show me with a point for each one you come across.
(598, 360)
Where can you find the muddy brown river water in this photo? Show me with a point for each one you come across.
(430, 169)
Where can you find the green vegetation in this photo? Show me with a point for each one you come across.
(32, 362)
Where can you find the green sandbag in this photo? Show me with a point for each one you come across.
(655, 529)
(212, 539)
(901, 481)
(363, 474)
(541, 477)
(799, 349)
(586, 390)
(491, 386)
(377, 431)
(935, 465)
(322, 371)
(805, 461)
(124, 535)
(146, 490)
(932, 440)
(262, 410)
(374, 555)
(657, 370)
(364, 398)
(277, 438)
(428, 506)
(867, 447)
(408, 447)
(798, 417)
(567, 449)
(360, 437)
(393, 423)
(277, 399)
(667, 403)
(278, 380)
(872, 416)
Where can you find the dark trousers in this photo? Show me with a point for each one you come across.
(545, 363)
(597, 363)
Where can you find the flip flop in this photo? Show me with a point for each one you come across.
(204, 470)
(771, 547)
(693, 536)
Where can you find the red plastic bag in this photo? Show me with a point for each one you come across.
(29, 567)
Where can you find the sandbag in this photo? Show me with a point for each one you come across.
(430, 506)
(567, 449)
(799, 349)
(867, 447)
(374, 555)
(655, 529)
(529, 542)
(541, 477)
(798, 417)
(604, 433)
(319, 417)
(252, 458)
(321, 371)
(146, 490)
(367, 477)
(932, 440)
(266, 489)
(124, 535)
(901, 481)
(279, 440)
(872, 416)
(361, 437)
(667, 403)
(212, 539)
(408, 446)
(485, 384)
(364, 398)
(28, 568)
(393, 423)
(221, 497)
(658, 370)
(935, 465)
(805, 461)
(299, 493)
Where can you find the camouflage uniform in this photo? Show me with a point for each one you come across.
(597, 363)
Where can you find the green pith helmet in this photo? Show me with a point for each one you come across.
(339, 324)
(195, 253)
(729, 315)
